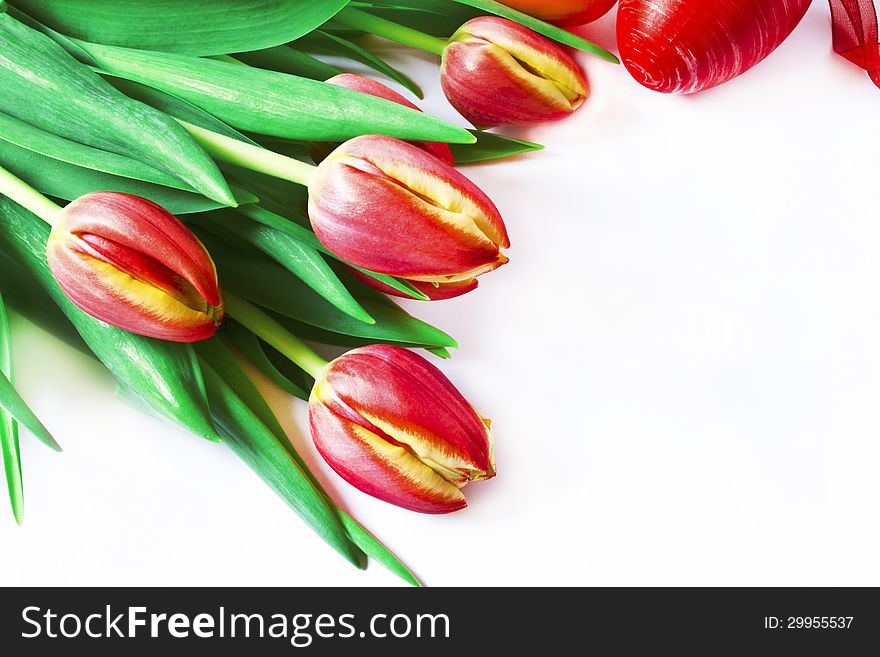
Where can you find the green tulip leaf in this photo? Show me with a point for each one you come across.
(9, 446)
(271, 286)
(173, 106)
(439, 18)
(286, 59)
(45, 143)
(491, 146)
(288, 369)
(333, 44)
(254, 444)
(259, 440)
(194, 27)
(47, 88)
(299, 258)
(57, 178)
(250, 347)
(272, 103)
(295, 229)
(10, 400)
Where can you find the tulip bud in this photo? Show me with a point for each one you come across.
(390, 207)
(128, 262)
(392, 425)
(498, 72)
(371, 87)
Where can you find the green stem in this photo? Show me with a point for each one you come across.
(28, 197)
(361, 20)
(251, 157)
(266, 328)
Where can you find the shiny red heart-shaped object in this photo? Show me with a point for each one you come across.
(684, 46)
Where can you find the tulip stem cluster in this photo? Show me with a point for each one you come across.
(28, 197)
(266, 328)
(382, 27)
(248, 156)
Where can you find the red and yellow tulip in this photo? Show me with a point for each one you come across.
(563, 12)
(496, 72)
(390, 207)
(128, 262)
(392, 425)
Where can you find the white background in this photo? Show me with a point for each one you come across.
(682, 362)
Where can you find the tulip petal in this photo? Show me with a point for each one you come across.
(416, 406)
(144, 226)
(116, 298)
(379, 468)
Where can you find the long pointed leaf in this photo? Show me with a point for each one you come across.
(238, 338)
(439, 18)
(295, 228)
(195, 27)
(272, 103)
(24, 135)
(57, 178)
(333, 44)
(46, 87)
(491, 146)
(9, 446)
(12, 403)
(286, 59)
(300, 259)
(375, 549)
(255, 444)
(223, 364)
(173, 106)
(272, 287)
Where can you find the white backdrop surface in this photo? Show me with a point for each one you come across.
(682, 362)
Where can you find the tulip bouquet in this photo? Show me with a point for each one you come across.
(202, 204)
(199, 203)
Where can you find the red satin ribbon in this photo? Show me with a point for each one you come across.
(854, 23)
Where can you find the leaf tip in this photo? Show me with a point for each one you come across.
(213, 436)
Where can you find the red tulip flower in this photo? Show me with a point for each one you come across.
(496, 72)
(390, 207)
(563, 12)
(371, 87)
(128, 262)
(393, 426)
